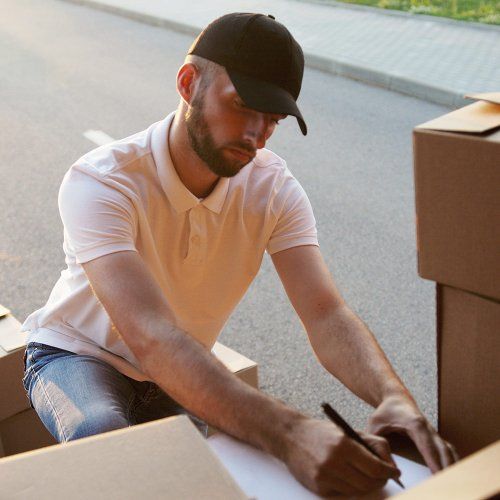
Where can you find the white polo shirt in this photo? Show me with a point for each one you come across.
(203, 253)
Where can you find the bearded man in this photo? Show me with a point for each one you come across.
(164, 232)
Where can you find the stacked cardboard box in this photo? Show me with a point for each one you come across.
(457, 186)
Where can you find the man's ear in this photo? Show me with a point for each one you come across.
(187, 79)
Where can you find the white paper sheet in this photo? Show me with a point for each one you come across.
(264, 477)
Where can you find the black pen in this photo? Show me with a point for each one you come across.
(337, 419)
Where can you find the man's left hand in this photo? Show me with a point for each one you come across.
(400, 414)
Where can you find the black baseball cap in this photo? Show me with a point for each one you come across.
(262, 59)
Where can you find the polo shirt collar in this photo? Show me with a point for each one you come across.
(177, 193)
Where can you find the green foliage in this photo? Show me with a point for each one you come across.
(483, 11)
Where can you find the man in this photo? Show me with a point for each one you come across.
(164, 232)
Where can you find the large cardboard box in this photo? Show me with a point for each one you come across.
(20, 428)
(468, 369)
(475, 478)
(167, 458)
(457, 193)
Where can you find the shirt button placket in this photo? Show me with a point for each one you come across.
(195, 243)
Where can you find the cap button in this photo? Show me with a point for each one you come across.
(271, 16)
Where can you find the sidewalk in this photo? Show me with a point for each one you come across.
(436, 60)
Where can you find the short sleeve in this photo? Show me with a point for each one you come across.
(295, 225)
(98, 219)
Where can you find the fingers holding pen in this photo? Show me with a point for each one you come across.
(328, 462)
(370, 466)
(380, 445)
(348, 471)
(354, 470)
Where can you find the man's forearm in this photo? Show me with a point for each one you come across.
(180, 365)
(186, 370)
(350, 352)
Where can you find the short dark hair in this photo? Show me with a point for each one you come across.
(208, 70)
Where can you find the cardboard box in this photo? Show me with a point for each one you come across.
(244, 368)
(457, 179)
(166, 458)
(22, 432)
(475, 478)
(457, 194)
(468, 342)
(20, 428)
(13, 396)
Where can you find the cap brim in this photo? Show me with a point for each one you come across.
(266, 97)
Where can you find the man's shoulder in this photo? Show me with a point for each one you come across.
(116, 155)
(267, 176)
(268, 169)
(265, 158)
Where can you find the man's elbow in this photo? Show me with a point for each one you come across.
(321, 313)
(145, 339)
(159, 348)
(324, 327)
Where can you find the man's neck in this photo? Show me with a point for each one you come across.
(191, 170)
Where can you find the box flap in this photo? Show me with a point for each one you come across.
(233, 360)
(476, 118)
(474, 478)
(3, 311)
(493, 97)
(166, 458)
(11, 337)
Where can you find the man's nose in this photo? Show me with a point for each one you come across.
(257, 130)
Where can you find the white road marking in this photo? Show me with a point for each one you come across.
(9, 258)
(98, 137)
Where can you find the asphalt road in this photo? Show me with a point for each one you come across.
(67, 69)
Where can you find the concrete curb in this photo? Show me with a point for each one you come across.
(393, 82)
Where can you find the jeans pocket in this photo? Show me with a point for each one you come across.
(36, 357)
(27, 378)
(28, 357)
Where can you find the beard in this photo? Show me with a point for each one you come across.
(204, 146)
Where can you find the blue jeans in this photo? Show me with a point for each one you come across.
(77, 396)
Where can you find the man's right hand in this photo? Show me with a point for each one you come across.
(327, 462)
